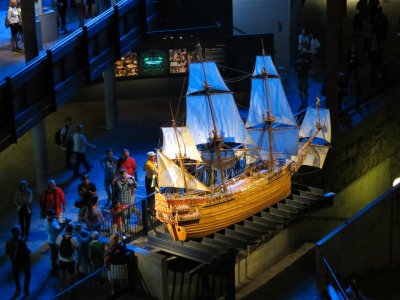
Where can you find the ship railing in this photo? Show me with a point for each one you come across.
(115, 278)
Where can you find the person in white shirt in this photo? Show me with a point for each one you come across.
(53, 228)
(304, 41)
(14, 20)
(80, 145)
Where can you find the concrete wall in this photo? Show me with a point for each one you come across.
(153, 269)
(369, 241)
(259, 16)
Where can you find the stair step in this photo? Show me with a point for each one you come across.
(273, 219)
(288, 208)
(266, 222)
(296, 204)
(282, 213)
(249, 231)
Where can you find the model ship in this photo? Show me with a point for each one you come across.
(218, 170)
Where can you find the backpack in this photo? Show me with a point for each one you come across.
(66, 249)
(57, 137)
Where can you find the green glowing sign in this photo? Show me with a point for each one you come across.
(153, 62)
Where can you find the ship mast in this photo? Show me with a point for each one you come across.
(216, 138)
(268, 119)
(180, 157)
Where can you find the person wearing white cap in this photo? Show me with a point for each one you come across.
(150, 167)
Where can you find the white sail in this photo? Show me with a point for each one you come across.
(177, 141)
(200, 72)
(316, 155)
(279, 106)
(308, 126)
(227, 118)
(264, 61)
(284, 141)
(171, 175)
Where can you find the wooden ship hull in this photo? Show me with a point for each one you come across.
(202, 215)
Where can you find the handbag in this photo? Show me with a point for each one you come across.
(6, 23)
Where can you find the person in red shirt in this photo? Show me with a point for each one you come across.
(52, 198)
(128, 163)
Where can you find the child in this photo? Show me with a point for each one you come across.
(117, 222)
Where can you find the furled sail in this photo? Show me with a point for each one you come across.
(316, 155)
(177, 141)
(278, 104)
(227, 118)
(264, 61)
(171, 175)
(284, 141)
(313, 116)
(200, 72)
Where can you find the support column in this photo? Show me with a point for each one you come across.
(333, 44)
(110, 97)
(40, 155)
(29, 28)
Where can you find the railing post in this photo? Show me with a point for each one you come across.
(143, 16)
(10, 113)
(51, 83)
(144, 216)
(86, 56)
(117, 33)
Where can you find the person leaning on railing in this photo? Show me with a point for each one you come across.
(115, 260)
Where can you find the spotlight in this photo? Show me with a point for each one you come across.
(165, 37)
(171, 37)
(180, 37)
(396, 181)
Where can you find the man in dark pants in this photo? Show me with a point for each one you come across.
(150, 167)
(23, 201)
(18, 252)
(62, 6)
(80, 144)
(67, 143)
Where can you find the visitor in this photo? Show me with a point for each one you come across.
(109, 165)
(82, 259)
(53, 228)
(52, 198)
(128, 163)
(96, 252)
(125, 186)
(67, 143)
(93, 215)
(150, 167)
(80, 145)
(67, 246)
(23, 201)
(13, 19)
(18, 252)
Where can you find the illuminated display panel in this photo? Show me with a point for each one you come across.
(154, 62)
(127, 66)
(163, 62)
